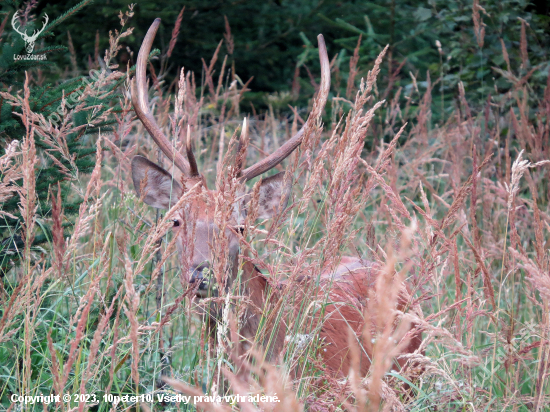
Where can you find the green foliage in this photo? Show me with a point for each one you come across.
(11, 70)
(52, 101)
(413, 29)
(271, 38)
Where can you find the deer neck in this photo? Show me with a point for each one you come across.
(253, 284)
(255, 287)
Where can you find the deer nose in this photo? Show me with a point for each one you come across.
(201, 276)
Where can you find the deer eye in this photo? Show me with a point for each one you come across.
(176, 222)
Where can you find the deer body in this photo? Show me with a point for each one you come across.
(346, 286)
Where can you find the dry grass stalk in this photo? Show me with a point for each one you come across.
(479, 26)
(454, 277)
(208, 70)
(228, 37)
(10, 172)
(353, 68)
(523, 44)
(175, 33)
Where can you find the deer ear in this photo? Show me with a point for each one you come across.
(159, 187)
(272, 190)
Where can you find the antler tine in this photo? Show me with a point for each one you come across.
(140, 101)
(193, 169)
(14, 22)
(36, 32)
(290, 145)
(242, 146)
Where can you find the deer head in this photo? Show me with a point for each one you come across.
(29, 40)
(159, 189)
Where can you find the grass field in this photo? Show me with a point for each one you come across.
(459, 210)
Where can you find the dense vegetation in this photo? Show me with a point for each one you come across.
(270, 39)
(93, 299)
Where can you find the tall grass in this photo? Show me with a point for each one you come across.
(460, 211)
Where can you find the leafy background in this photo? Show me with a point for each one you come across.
(272, 37)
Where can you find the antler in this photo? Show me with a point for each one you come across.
(141, 107)
(290, 145)
(24, 34)
(14, 22)
(193, 169)
(140, 101)
(36, 33)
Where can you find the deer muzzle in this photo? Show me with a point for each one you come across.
(202, 280)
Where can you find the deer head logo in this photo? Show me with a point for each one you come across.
(29, 40)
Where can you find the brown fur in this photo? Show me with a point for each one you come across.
(347, 286)
(348, 291)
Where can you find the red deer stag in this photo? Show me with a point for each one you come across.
(352, 280)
